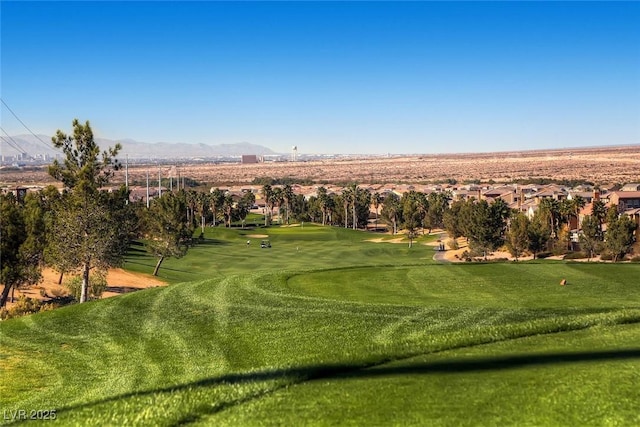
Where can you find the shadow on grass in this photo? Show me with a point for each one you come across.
(163, 268)
(210, 242)
(138, 254)
(370, 370)
(122, 289)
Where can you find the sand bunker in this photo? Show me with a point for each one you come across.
(119, 282)
(383, 240)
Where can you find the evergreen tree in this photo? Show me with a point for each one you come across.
(452, 220)
(166, 229)
(539, 232)
(591, 237)
(619, 236)
(480, 232)
(437, 206)
(517, 237)
(22, 237)
(411, 214)
(85, 234)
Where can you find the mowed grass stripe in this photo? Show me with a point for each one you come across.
(224, 252)
(529, 381)
(284, 341)
(499, 285)
(196, 350)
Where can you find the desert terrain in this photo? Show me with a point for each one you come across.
(600, 165)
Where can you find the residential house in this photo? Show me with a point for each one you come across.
(587, 196)
(507, 193)
(624, 200)
(634, 186)
(550, 191)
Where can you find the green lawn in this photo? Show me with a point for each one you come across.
(325, 328)
(225, 251)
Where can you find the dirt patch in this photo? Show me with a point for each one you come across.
(119, 281)
(258, 236)
(605, 164)
(456, 255)
(382, 240)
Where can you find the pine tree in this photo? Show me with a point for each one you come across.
(166, 229)
(86, 231)
(22, 232)
(517, 237)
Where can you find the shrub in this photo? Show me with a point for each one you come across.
(543, 255)
(58, 292)
(97, 285)
(22, 307)
(575, 255)
(452, 244)
(606, 256)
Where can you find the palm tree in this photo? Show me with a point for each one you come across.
(552, 209)
(571, 209)
(227, 208)
(243, 207)
(599, 211)
(347, 197)
(578, 203)
(354, 191)
(202, 202)
(267, 194)
(376, 200)
(324, 201)
(190, 200)
(276, 201)
(363, 206)
(287, 195)
(422, 207)
(215, 200)
(391, 209)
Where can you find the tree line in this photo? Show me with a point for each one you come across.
(85, 229)
(489, 226)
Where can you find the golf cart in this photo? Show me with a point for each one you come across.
(265, 244)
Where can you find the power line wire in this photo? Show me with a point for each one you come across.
(12, 142)
(48, 146)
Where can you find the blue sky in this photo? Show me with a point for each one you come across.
(329, 77)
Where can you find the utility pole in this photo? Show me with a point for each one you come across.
(126, 177)
(147, 188)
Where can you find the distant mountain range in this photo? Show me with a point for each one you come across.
(41, 144)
